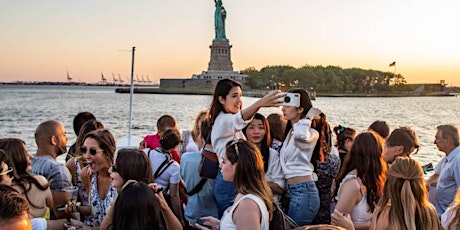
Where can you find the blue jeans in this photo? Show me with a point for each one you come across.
(304, 203)
(224, 194)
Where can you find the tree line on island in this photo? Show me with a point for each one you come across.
(329, 79)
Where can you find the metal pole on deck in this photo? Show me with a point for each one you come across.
(131, 92)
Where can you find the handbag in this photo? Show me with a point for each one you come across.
(209, 165)
(281, 221)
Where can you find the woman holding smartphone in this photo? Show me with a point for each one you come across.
(295, 155)
(227, 121)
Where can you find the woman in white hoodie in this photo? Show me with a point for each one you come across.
(295, 157)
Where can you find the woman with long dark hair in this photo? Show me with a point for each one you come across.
(297, 156)
(242, 163)
(326, 168)
(133, 165)
(227, 119)
(136, 208)
(35, 188)
(258, 133)
(359, 184)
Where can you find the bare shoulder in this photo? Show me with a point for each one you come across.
(382, 221)
(349, 196)
(351, 185)
(247, 214)
(247, 206)
(41, 179)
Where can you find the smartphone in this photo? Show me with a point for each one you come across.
(290, 99)
(200, 222)
(160, 189)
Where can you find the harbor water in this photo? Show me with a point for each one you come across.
(22, 108)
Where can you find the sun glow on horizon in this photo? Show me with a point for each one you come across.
(44, 40)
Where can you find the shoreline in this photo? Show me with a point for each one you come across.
(261, 93)
(155, 89)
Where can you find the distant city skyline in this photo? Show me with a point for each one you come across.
(42, 40)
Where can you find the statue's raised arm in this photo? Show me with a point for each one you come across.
(219, 21)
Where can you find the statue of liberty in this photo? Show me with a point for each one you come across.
(219, 21)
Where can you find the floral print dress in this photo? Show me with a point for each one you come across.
(100, 207)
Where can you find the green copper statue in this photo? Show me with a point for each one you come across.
(219, 21)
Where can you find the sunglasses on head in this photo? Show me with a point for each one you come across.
(8, 172)
(92, 151)
(235, 143)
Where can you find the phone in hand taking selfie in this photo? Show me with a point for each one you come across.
(290, 99)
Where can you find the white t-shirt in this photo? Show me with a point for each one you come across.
(171, 175)
(275, 172)
(38, 224)
(227, 127)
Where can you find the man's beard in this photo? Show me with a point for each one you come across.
(60, 150)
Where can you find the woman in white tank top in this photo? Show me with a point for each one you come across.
(242, 163)
(359, 184)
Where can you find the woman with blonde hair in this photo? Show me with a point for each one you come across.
(404, 204)
(192, 141)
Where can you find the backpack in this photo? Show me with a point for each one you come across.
(281, 221)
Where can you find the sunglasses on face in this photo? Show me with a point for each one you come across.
(8, 172)
(92, 151)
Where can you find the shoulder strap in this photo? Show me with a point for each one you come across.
(198, 187)
(162, 168)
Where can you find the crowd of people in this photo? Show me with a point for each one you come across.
(329, 177)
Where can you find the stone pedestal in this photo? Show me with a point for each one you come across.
(220, 56)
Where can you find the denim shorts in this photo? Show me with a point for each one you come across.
(304, 203)
(224, 194)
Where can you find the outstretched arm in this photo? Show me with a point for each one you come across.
(269, 100)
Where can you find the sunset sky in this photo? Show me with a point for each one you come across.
(41, 40)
